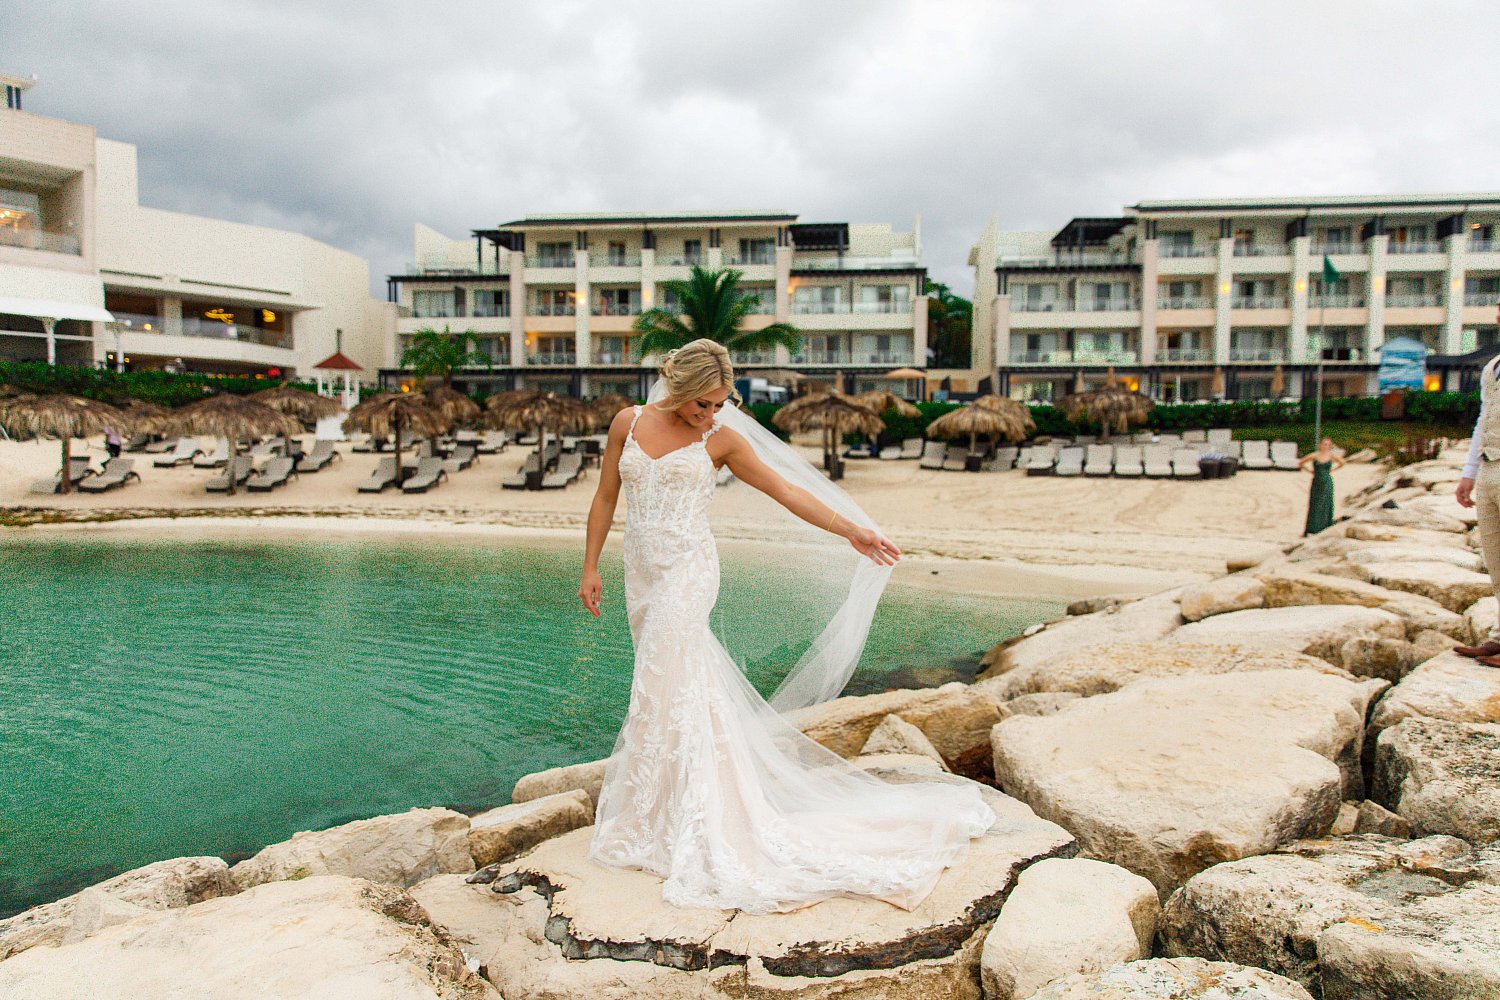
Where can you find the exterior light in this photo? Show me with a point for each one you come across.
(1432, 383)
(1301, 286)
(222, 315)
(1224, 288)
(146, 326)
(1375, 283)
(267, 316)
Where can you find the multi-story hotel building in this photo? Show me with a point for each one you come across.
(1197, 299)
(90, 276)
(553, 299)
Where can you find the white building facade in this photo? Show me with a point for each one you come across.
(181, 291)
(553, 299)
(1226, 299)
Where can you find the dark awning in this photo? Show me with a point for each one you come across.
(1088, 232)
(820, 235)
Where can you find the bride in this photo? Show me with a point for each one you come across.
(710, 787)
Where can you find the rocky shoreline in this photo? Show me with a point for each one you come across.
(1278, 783)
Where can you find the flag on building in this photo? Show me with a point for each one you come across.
(1330, 273)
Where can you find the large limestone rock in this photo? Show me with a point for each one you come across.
(587, 777)
(1290, 587)
(1174, 979)
(1481, 616)
(1149, 618)
(1093, 672)
(1412, 517)
(1319, 630)
(400, 849)
(162, 885)
(1447, 686)
(1228, 593)
(1444, 505)
(311, 939)
(1166, 777)
(501, 834)
(895, 735)
(1372, 532)
(1067, 915)
(1441, 777)
(1351, 917)
(560, 926)
(956, 718)
(1362, 554)
(1451, 586)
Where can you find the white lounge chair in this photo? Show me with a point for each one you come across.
(383, 476)
(1100, 460)
(213, 459)
(241, 468)
(1195, 437)
(463, 456)
(493, 443)
(1004, 460)
(316, 460)
(1229, 448)
(1185, 464)
(1170, 440)
(1284, 455)
(890, 451)
(932, 455)
(276, 473)
(1041, 461)
(1128, 461)
(1255, 455)
(956, 458)
(184, 451)
(1069, 462)
(1156, 461)
(1219, 438)
(79, 468)
(568, 469)
(911, 448)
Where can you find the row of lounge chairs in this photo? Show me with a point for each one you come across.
(568, 468)
(116, 472)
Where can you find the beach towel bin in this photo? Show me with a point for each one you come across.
(1209, 467)
(1228, 466)
(973, 463)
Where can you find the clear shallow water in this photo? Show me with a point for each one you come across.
(167, 699)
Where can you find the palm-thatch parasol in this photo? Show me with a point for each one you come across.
(233, 417)
(452, 404)
(1114, 408)
(884, 401)
(981, 421)
(307, 407)
(146, 418)
(526, 410)
(59, 416)
(1013, 407)
(831, 412)
(606, 406)
(391, 412)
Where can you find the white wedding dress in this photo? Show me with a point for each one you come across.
(709, 787)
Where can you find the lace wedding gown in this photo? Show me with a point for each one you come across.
(709, 787)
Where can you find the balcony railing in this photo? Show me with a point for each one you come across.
(1256, 354)
(1414, 300)
(1107, 305)
(430, 310)
(1184, 302)
(1341, 248)
(549, 260)
(497, 358)
(1260, 250)
(890, 307)
(39, 239)
(138, 322)
(1345, 301)
(754, 358)
(615, 358)
(1475, 298)
(819, 308)
(551, 309)
(1182, 354)
(1037, 306)
(885, 358)
(1332, 353)
(852, 263)
(551, 358)
(1480, 245)
(751, 260)
(617, 309)
(821, 358)
(1184, 250)
(1258, 302)
(619, 260)
(1120, 357)
(193, 326)
(491, 311)
(684, 260)
(1415, 246)
(1041, 357)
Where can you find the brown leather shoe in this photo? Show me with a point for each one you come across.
(1489, 661)
(1490, 647)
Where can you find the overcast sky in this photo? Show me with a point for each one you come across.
(353, 121)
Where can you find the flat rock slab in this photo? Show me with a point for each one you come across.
(310, 939)
(501, 834)
(1295, 586)
(1175, 979)
(1352, 917)
(956, 719)
(1100, 671)
(1451, 586)
(1319, 630)
(1441, 777)
(1371, 532)
(1237, 592)
(1149, 618)
(1167, 777)
(587, 777)
(588, 913)
(1448, 686)
(399, 849)
(1376, 552)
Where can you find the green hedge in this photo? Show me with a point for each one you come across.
(159, 387)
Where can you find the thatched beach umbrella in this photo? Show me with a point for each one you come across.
(59, 416)
(1013, 408)
(543, 412)
(883, 401)
(832, 413)
(607, 406)
(307, 407)
(452, 404)
(146, 418)
(977, 421)
(391, 412)
(233, 417)
(1114, 408)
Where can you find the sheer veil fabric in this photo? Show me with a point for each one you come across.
(711, 787)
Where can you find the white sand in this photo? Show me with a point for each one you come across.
(1001, 533)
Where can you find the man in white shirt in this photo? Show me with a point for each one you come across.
(1479, 488)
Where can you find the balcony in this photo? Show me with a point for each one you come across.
(888, 307)
(684, 260)
(1341, 248)
(490, 312)
(852, 263)
(885, 358)
(821, 358)
(39, 239)
(1336, 301)
(1107, 305)
(1413, 301)
(1260, 249)
(819, 308)
(551, 309)
(754, 357)
(1415, 246)
(1258, 302)
(429, 310)
(193, 326)
(1256, 354)
(1314, 355)
(1121, 357)
(751, 260)
(625, 357)
(1478, 245)
(760, 307)
(549, 260)
(619, 260)
(1481, 298)
(138, 322)
(1184, 354)
(1184, 302)
(498, 358)
(1184, 250)
(1040, 306)
(616, 309)
(551, 358)
(1041, 357)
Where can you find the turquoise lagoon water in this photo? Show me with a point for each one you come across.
(162, 699)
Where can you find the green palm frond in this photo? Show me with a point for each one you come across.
(710, 304)
(438, 355)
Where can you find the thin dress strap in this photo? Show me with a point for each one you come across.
(712, 430)
(631, 433)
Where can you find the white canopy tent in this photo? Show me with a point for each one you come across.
(49, 312)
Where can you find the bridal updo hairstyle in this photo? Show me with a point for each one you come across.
(694, 369)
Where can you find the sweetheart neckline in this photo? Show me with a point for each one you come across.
(630, 439)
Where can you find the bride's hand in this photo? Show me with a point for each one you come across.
(591, 591)
(875, 546)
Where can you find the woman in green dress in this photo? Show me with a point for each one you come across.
(1321, 464)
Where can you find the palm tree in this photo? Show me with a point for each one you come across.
(437, 355)
(710, 304)
(949, 321)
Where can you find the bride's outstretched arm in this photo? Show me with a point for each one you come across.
(602, 513)
(748, 468)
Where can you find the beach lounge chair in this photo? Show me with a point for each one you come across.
(117, 472)
(911, 448)
(1084, 440)
(1195, 437)
(1141, 437)
(1170, 440)
(932, 455)
(79, 468)
(1100, 460)
(492, 443)
(1041, 461)
(568, 468)
(1219, 438)
(1156, 461)
(319, 458)
(1128, 461)
(1069, 462)
(160, 447)
(213, 459)
(1185, 464)
(1255, 455)
(241, 468)
(956, 457)
(363, 444)
(264, 452)
(889, 452)
(184, 451)
(1284, 455)
(137, 442)
(463, 456)
(383, 476)
(429, 473)
(277, 471)
(1004, 460)
(1228, 448)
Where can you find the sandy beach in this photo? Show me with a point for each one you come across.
(1000, 533)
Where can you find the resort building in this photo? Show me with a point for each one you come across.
(553, 299)
(90, 276)
(1226, 298)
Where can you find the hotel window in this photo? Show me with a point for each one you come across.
(492, 302)
(614, 350)
(1102, 296)
(817, 299)
(553, 302)
(763, 300)
(616, 254)
(555, 348)
(884, 299)
(692, 251)
(19, 210)
(554, 254)
(1037, 298)
(758, 251)
(1409, 234)
(618, 302)
(1101, 342)
(428, 303)
(1175, 237)
(1178, 291)
(1330, 237)
(1244, 240)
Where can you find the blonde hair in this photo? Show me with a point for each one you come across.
(693, 369)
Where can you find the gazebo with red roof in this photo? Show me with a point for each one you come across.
(338, 361)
